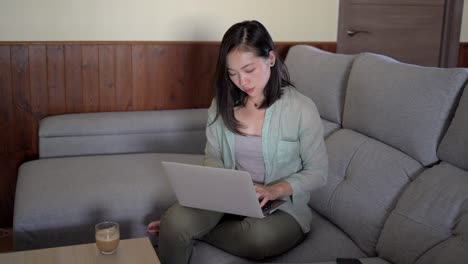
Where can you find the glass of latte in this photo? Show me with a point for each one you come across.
(107, 237)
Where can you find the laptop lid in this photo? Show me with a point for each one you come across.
(216, 189)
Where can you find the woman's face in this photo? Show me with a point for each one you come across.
(249, 72)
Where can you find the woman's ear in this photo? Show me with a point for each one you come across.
(272, 58)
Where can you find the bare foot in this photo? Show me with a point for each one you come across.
(153, 228)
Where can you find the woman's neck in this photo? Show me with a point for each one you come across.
(256, 101)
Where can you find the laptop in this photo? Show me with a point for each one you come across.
(216, 189)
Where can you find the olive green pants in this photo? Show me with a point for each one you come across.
(247, 237)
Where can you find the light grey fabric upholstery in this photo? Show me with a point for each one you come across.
(176, 131)
(402, 105)
(329, 127)
(364, 181)
(322, 76)
(430, 221)
(316, 247)
(432, 210)
(454, 146)
(58, 200)
(188, 142)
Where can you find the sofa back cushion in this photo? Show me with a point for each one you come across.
(173, 131)
(454, 146)
(322, 76)
(405, 106)
(430, 221)
(365, 178)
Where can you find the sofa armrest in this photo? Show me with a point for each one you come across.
(170, 131)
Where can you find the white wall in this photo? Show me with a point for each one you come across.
(163, 20)
(168, 20)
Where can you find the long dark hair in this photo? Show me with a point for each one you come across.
(247, 36)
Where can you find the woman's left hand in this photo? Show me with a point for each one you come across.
(267, 193)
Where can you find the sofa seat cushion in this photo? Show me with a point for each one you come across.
(329, 127)
(404, 106)
(430, 221)
(58, 200)
(365, 179)
(324, 242)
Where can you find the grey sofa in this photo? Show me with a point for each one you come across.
(397, 191)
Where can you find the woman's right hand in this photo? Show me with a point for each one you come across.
(153, 228)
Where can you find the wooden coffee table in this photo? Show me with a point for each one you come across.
(138, 250)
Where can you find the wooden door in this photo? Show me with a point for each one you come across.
(424, 32)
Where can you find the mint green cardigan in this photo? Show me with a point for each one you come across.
(293, 149)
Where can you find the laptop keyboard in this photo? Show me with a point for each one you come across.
(266, 207)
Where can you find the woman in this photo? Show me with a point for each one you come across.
(259, 123)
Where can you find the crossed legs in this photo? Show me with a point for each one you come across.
(247, 237)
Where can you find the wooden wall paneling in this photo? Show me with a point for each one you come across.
(38, 80)
(106, 78)
(39, 92)
(145, 67)
(201, 62)
(197, 61)
(463, 55)
(194, 67)
(282, 50)
(123, 78)
(73, 88)
(7, 191)
(23, 121)
(139, 79)
(7, 172)
(172, 93)
(56, 79)
(154, 54)
(184, 88)
(6, 100)
(206, 73)
(90, 77)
